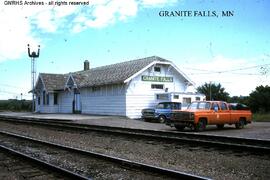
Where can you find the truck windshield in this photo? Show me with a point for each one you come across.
(199, 105)
(163, 106)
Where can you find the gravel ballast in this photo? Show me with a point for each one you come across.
(213, 163)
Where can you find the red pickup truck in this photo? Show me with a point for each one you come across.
(202, 113)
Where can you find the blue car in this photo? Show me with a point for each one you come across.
(161, 113)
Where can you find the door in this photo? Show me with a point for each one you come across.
(214, 117)
(77, 102)
(224, 113)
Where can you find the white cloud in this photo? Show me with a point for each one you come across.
(20, 24)
(238, 76)
(157, 2)
(109, 12)
(14, 30)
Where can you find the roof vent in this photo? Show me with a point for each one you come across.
(86, 65)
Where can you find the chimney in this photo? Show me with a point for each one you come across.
(86, 65)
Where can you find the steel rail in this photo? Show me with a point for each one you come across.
(121, 161)
(228, 142)
(47, 165)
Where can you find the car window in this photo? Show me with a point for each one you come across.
(193, 105)
(160, 106)
(167, 106)
(199, 105)
(215, 105)
(207, 105)
(203, 105)
(175, 106)
(164, 106)
(223, 106)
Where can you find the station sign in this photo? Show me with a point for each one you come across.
(157, 79)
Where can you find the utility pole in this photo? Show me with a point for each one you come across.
(210, 86)
(33, 57)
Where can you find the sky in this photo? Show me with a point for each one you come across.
(206, 45)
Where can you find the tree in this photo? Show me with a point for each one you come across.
(213, 91)
(239, 99)
(259, 100)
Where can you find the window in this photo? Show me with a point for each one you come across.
(223, 106)
(199, 105)
(162, 96)
(157, 86)
(198, 98)
(44, 97)
(175, 96)
(157, 69)
(48, 99)
(164, 106)
(186, 100)
(55, 98)
(215, 105)
(176, 106)
(38, 100)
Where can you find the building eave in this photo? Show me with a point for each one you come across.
(189, 82)
(72, 78)
(39, 78)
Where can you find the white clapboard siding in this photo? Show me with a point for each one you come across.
(108, 100)
(135, 104)
(47, 108)
(65, 101)
(37, 106)
(104, 105)
(139, 94)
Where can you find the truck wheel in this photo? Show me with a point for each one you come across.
(200, 126)
(220, 126)
(179, 127)
(240, 124)
(146, 120)
(161, 119)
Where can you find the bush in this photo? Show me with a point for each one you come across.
(261, 117)
(15, 105)
(259, 100)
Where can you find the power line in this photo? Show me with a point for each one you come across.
(226, 71)
(240, 69)
(12, 86)
(13, 93)
(244, 74)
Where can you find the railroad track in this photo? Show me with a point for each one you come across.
(17, 165)
(225, 142)
(50, 154)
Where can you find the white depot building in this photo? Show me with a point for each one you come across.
(122, 89)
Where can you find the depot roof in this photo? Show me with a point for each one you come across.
(111, 74)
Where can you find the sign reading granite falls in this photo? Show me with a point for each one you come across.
(157, 79)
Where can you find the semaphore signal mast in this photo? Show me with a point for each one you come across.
(33, 57)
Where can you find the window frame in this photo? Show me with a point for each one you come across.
(155, 86)
(47, 99)
(55, 98)
(157, 69)
(223, 105)
(44, 98)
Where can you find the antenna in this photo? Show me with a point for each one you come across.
(33, 57)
